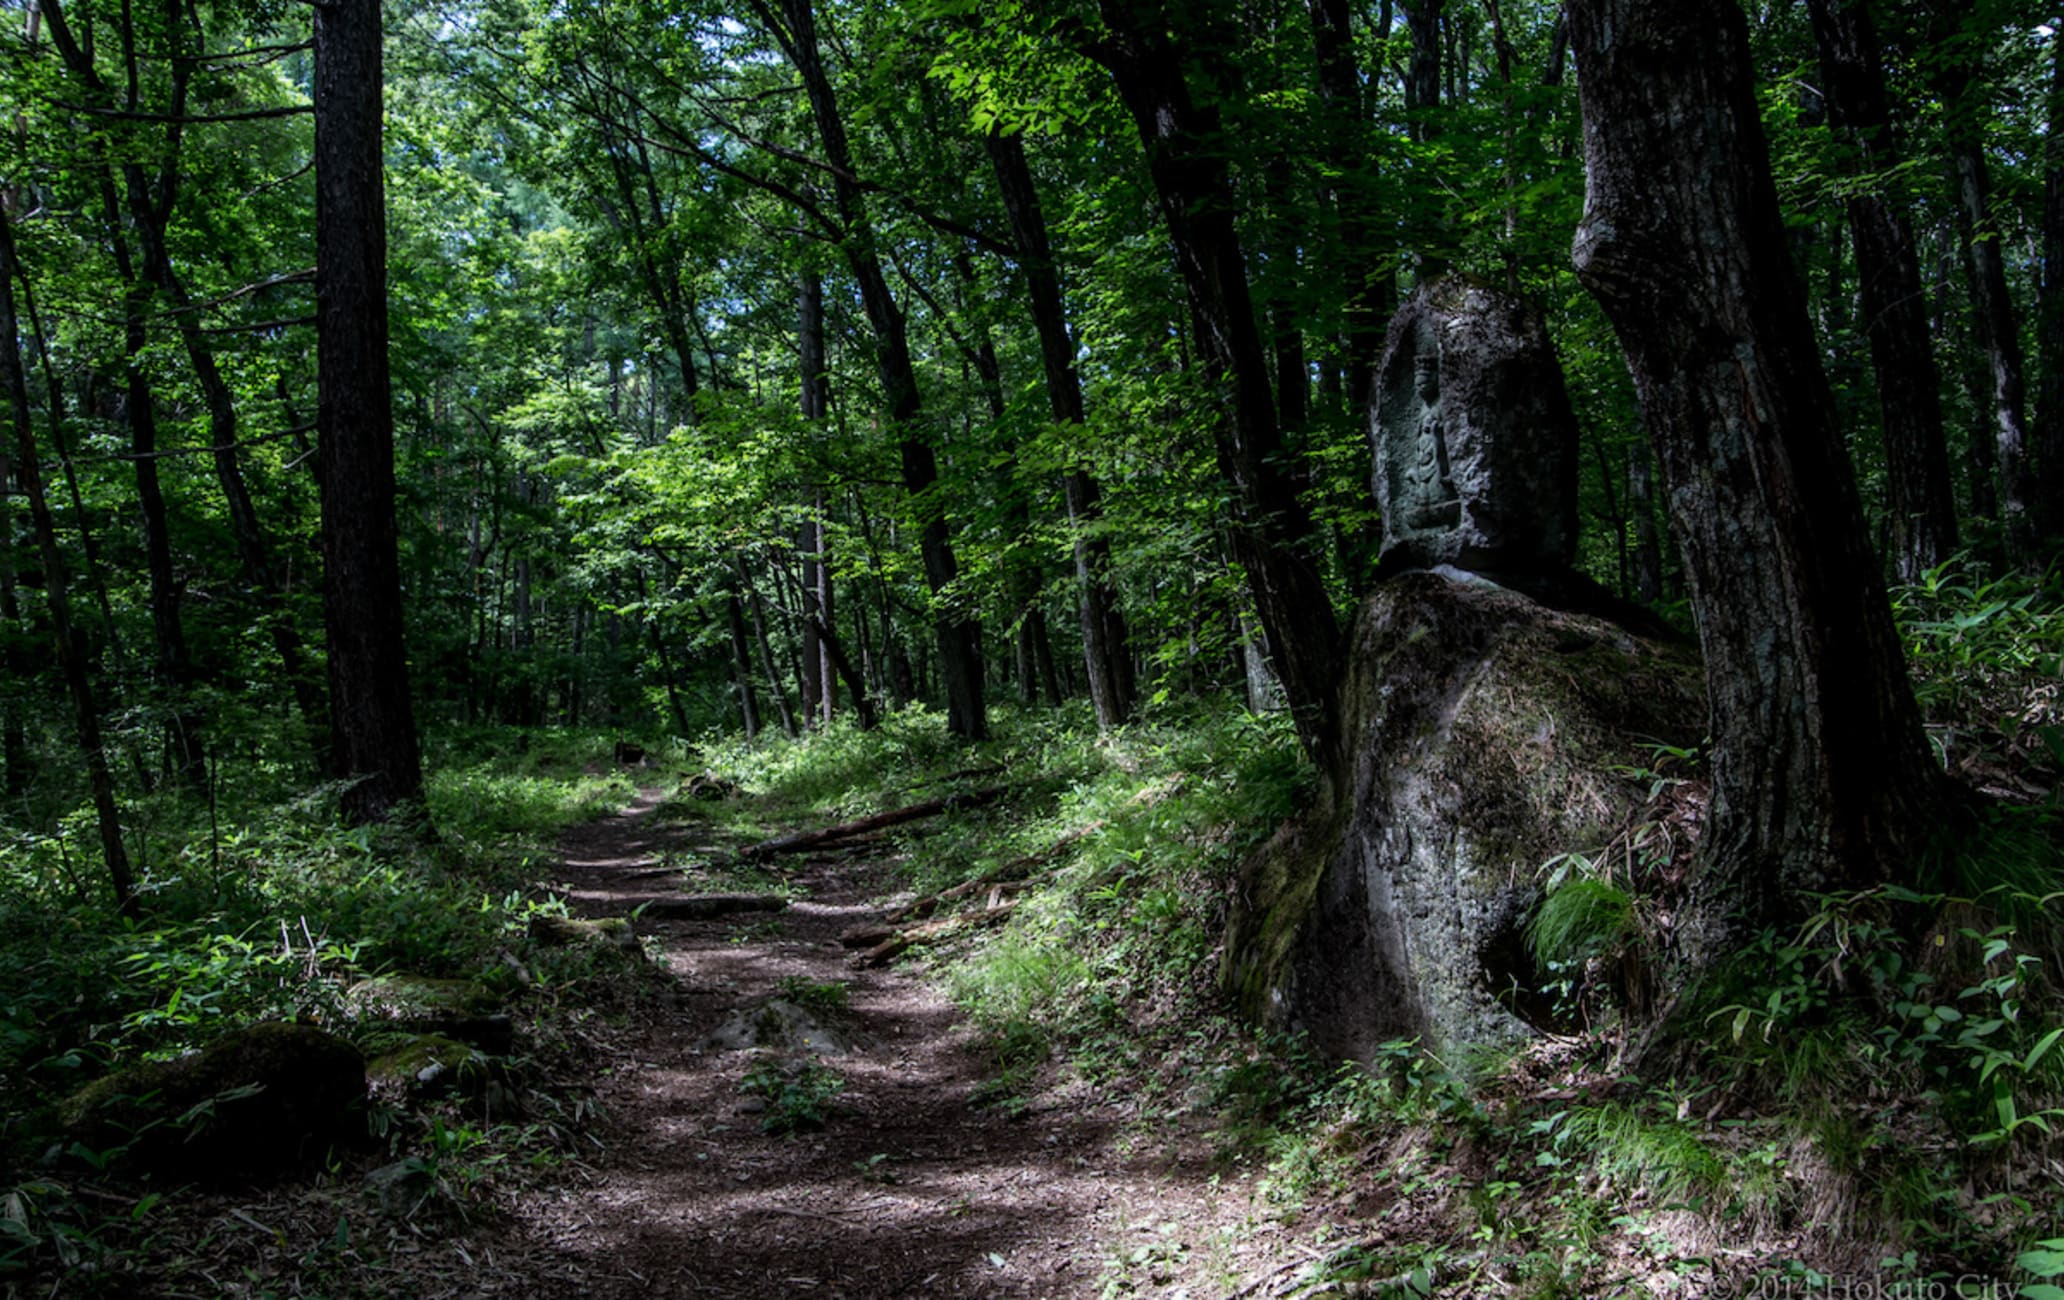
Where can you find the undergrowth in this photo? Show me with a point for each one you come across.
(278, 912)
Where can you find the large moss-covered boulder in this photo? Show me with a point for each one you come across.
(1485, 730)
(261, 1100)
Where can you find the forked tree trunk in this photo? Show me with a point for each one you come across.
(375, 725)
(1822, 779)
(758, 608)
(1919, 501)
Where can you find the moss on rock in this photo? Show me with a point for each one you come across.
(1485, 731)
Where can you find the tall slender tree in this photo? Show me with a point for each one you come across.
(1106, 657)
(1271, 536)
(375, 725)
(957, 634)
(1920, 506)
(71, 650)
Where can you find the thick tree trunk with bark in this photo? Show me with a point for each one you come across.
(958, 636)
(1822, 779)
(375, 723)
(1271, 532)
(1107, 661)
(71, 652)
(1919, 502)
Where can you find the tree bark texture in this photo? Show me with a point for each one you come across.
(375, 724)
(1271, 532)
(1822, 779)
(71, 651)
(1920, 505)
(957, 635)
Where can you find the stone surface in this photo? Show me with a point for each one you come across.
(1474, 441)
(1486, 729)
(257, 1101)
(782, 1026)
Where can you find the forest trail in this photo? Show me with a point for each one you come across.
(912, 1187)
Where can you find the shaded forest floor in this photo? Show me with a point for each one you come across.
(921, 1179)
(1056, 1101)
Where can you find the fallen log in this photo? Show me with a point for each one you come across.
(894, 817)
(865, 936)
(705, 907)
(1019, 868)
(934, 932)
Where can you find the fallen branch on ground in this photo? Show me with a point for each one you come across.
(894, 817)
(1017, 869)
(936, 932)
(704, 907)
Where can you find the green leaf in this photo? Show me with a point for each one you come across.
(2042, 1048)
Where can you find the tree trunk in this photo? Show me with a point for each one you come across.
(174, 664)
(2048, 434)
(758, 607)
(1992, 307)
(810, 534)
(1107, 662)
(1372, 291)
(1271, 532)
(14, 659)
(150, 214)
(958, 637)
(741, 667)
(1822, 779)
(375, 726)
(1648, 546)
(822, 588)
(669, 679)
(1920, 505)
(71, 652)
(812, 679)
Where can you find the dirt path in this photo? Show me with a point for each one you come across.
(911, 1189)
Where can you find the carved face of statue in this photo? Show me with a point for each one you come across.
(1426, 377)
